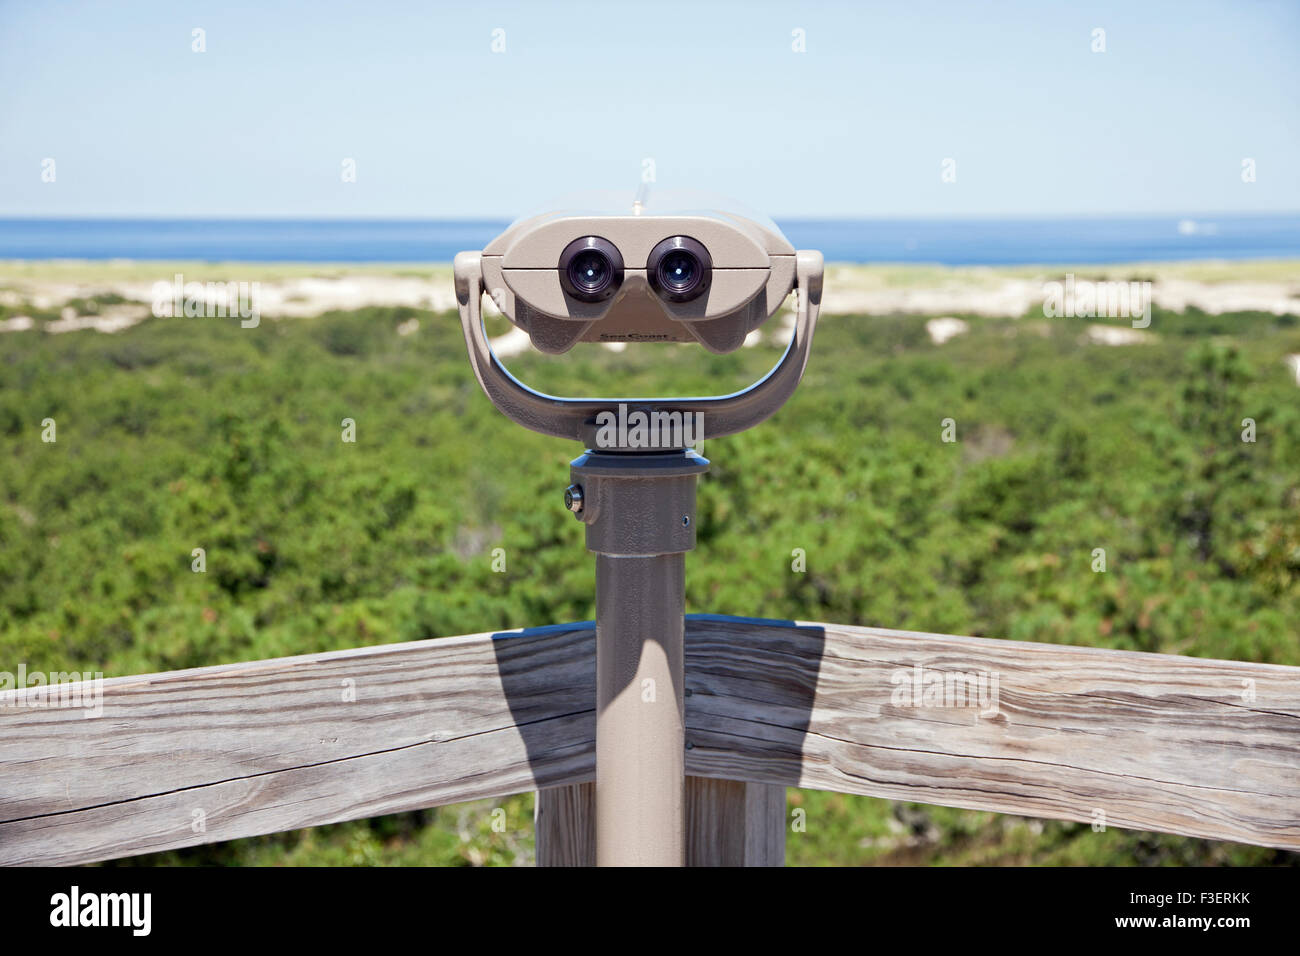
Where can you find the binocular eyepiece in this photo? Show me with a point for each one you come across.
(679, 269)
(591, 269)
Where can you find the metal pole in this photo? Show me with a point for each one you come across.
(640, 734)
(640, 517)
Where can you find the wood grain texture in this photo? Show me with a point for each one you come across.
(1175, 744)
(564, 824)
(216, 753)
(728, 823)
(731, 823)
(1145, 741)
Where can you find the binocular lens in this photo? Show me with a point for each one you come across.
(591, 269)
(679, 269)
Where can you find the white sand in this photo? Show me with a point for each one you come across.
(849, 290)
(944, 328)
(1117, 335)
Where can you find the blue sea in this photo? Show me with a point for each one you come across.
(952, 242)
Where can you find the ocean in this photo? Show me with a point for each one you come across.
(951, 242)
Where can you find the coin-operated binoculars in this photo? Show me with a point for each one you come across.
(639, 271)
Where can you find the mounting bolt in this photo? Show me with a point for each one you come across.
(573, 498)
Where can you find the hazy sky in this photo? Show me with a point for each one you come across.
(438, 124)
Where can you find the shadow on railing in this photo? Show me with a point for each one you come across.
(1155, 742)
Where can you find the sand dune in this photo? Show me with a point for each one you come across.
(300, 292)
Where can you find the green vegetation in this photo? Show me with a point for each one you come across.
(185, 433)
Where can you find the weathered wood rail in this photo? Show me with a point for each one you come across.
(1182, 745)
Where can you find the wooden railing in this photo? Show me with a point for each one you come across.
(1183, 745)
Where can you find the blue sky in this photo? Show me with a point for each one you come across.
(441, 126)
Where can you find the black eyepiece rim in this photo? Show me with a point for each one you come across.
(679, 244)
(595, 244)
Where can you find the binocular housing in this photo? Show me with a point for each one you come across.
(652, 270)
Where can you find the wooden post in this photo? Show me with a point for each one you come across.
(731, 823)
(564, 824)
(728, 823)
